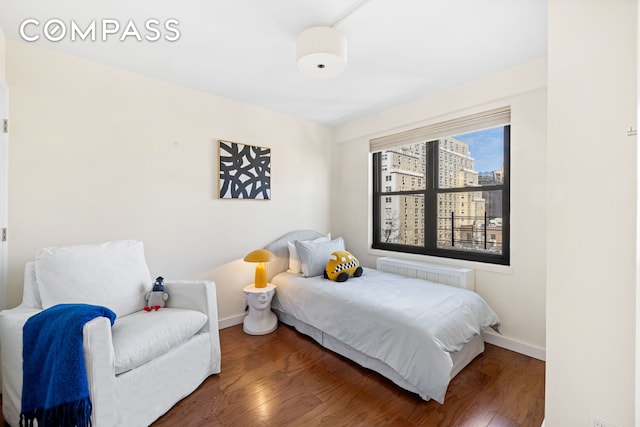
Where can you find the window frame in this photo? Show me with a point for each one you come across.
(431, 206)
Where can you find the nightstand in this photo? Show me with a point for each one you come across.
(260, 320)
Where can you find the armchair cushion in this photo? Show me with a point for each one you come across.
(142, 336)
(112, 274)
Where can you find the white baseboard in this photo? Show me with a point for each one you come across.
(517, 346)
(232, 321)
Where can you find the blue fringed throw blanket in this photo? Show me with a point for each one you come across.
(54, 384)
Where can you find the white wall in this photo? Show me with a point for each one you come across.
(4, 113)
(3, 50)
(517, 293)
(592, 202)
(99, 154)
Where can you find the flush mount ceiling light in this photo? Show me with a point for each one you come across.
(322, 51)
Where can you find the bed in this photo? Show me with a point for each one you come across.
(417, 333)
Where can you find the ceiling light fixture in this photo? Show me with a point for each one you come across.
(322, 51)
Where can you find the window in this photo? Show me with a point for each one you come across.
(458, 204)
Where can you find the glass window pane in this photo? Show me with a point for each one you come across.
(470, 221)
(472, 159)
(402, 219)
(404, 168)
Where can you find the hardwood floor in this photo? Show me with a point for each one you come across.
(286, 379)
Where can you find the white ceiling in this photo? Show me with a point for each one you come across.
(398, 50)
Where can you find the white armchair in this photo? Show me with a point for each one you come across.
(137, 369)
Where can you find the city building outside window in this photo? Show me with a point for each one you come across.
(446, 189)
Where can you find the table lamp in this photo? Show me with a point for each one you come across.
(260, 256)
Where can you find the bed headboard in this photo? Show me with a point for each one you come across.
(281, 251)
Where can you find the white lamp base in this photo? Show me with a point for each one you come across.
(260, 320)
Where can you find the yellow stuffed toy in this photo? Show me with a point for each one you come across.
(341, 266)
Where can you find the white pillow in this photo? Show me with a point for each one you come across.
(113, 274)
(294, 259)
(30, 293)
(314, 255)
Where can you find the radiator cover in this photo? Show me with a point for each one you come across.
(452, 276)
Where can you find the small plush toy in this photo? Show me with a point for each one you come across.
(341, 266)
(157, 297)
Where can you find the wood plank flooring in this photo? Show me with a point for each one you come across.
(287, 379)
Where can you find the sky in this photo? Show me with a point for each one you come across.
(486, 147)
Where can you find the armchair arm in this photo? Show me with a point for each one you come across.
(99, 360)
(11, 323)
(198, 295)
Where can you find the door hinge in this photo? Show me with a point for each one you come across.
(5, 126)
(4, 234)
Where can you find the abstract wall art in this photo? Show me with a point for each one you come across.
(245, 171)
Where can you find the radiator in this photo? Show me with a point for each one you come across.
(452, 276)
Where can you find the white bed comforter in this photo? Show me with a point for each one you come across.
(412, 325)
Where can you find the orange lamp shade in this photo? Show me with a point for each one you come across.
(260, 256)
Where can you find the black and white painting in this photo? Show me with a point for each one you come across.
(245, 171)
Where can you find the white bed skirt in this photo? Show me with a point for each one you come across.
(460, 358)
